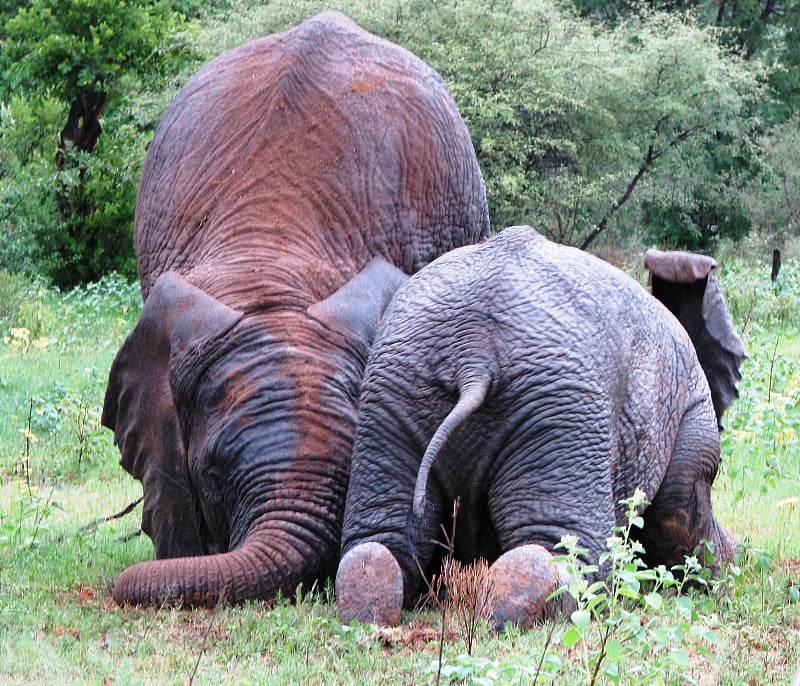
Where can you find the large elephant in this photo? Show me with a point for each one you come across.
(540, 386)
(290, 186)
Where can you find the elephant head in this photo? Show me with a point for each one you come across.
(140, 408)
(238, 437)
(687, 284)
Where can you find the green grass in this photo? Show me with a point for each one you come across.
(59, 476)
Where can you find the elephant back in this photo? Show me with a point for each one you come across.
(296, 158)
(558, 327)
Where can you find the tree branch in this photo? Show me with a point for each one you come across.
(117, 515)
(651, 156)
(601, 225)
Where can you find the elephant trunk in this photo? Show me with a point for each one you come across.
(261, 568)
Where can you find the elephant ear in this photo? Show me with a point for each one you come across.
(687, 284)
(139, 406)
(357, 307)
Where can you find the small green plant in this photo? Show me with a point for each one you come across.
(625, 626)
(26, 310)
(83, 418)
(26, 519)
(75, 415)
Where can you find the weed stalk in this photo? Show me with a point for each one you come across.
(449, 543)
(205, 641)
(26, 456)
(436, 586)
(772, 369)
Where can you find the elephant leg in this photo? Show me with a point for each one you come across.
(369, 586)
(521, 580)
(680, 517)
(534, 502)
(381, 535)
(380, 574)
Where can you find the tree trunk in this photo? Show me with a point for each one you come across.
(776, 264)
(83, 126)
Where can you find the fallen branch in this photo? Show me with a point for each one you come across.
(117, 515)
(130, 536)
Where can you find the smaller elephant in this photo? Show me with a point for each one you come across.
(539, 386)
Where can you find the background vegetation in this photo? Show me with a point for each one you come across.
(614, 125)
(618, 123)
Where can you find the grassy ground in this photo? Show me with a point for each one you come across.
(58, 557)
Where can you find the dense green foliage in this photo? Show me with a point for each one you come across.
(75, 48)
(68, 193)
(59, 480)
(754, 28)
(664, 122)
(574, 125)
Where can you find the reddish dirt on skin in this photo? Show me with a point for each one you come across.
(369, 586)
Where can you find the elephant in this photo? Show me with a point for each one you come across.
(539, 386)
(290, 186)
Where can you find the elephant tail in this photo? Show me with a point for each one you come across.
(472, 393)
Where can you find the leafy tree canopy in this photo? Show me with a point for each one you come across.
(77, 49)
(68, 45)
(76, 222)
(572, 124)
(767, 29)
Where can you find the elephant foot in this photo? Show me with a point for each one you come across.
(369, 586)
(522, 579)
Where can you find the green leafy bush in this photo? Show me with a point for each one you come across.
(26, 308)
(698, 225)
(70, 193)
(74, 46)
(627, 624)
(28, 136)
(773, 196)
(75, 224)
(114, 300)
(752, 298)
(91, 233)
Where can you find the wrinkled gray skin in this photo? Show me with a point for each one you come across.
(540, 386)
(290, 187)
